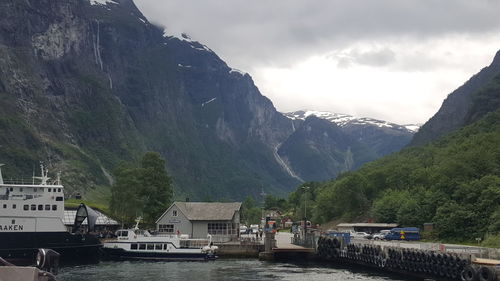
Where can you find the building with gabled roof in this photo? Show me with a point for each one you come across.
(198, 219)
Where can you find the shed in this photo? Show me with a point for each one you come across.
(198, 219)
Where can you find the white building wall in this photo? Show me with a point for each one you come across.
(180, 222)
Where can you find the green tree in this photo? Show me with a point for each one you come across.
(141, 191)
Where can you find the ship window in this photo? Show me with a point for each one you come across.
(33, 207)
(20, 189)
(50, 189)
(151, 246)
(174, 213)
(47, 207)
(14, 206)
(167, 228)
(165, 246)
(142, 246)
(26, 207)
(59, 198)
(5, 206)
(54, 207)
(11, 189)
(133, 247)
(40, 207)
(58, 190)
(158, 246)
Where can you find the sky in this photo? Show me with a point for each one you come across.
(394, 60)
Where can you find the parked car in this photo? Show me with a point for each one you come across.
(361, 235)
(381, 235)
(254, 228)
(243, 229)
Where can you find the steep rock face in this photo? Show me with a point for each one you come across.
(86, 85)
(326, 144)
(454, 111)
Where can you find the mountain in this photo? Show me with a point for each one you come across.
(463, 105)
(325, 144)
(86, 84)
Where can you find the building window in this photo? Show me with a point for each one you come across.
(26, 207)
(166, 228)
(174, 213)
(40, 207)
(13, 221)
(59, 198)
(33, 207)
(14, 206)
(217, 228)
(54, 207)
(58, 190)
(5, 206)
(50, 190)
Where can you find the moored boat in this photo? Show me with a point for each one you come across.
(31, 217)
(136, 244)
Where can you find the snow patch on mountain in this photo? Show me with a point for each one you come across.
(343, 120)
(102, 2)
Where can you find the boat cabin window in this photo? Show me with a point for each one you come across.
(11, 189)
(133, 246)
(142, 246)
(123, 233)
(47, 207)
(58, 190)
(26, 207)
(151, 246)
(40, 207)
(13, 206)
(20, 189)
(5, 206)
(59, 198)
(158, 246)
(50, 189)
(35, 189)
(33, 207)
(54, 207)
(165, 246)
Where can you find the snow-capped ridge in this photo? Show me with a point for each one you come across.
(186, 38)
(344, 119)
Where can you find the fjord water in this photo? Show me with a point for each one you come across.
(220, 270)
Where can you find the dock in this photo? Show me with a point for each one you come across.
(279, 246)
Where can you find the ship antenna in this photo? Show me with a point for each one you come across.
(58, 178)
(1, 177)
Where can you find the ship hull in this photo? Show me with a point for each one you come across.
(121, 254)
(21, 247)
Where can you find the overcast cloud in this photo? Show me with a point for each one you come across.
(388, 59)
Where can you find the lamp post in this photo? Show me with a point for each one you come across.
(305, 188)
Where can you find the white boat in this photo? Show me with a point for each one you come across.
(31, 217)
(136, 244)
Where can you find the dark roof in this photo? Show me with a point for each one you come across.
(212, 211)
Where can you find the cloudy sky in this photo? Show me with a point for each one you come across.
(395, 60)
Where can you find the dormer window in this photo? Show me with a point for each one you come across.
(174, 213)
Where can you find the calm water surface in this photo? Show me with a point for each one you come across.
(223, 269)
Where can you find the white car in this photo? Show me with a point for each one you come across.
(243, 229)
(381, 235)
(254, 228)
(360, 235)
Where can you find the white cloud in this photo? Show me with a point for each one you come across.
(388, 59)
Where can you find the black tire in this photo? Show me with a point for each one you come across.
(469, 273)
(486, 273)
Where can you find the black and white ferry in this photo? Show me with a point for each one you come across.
(31, 217)
(136, 244)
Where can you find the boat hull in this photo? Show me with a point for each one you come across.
(121, 254)
(21, 248)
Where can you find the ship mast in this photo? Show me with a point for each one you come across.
(1, 177)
